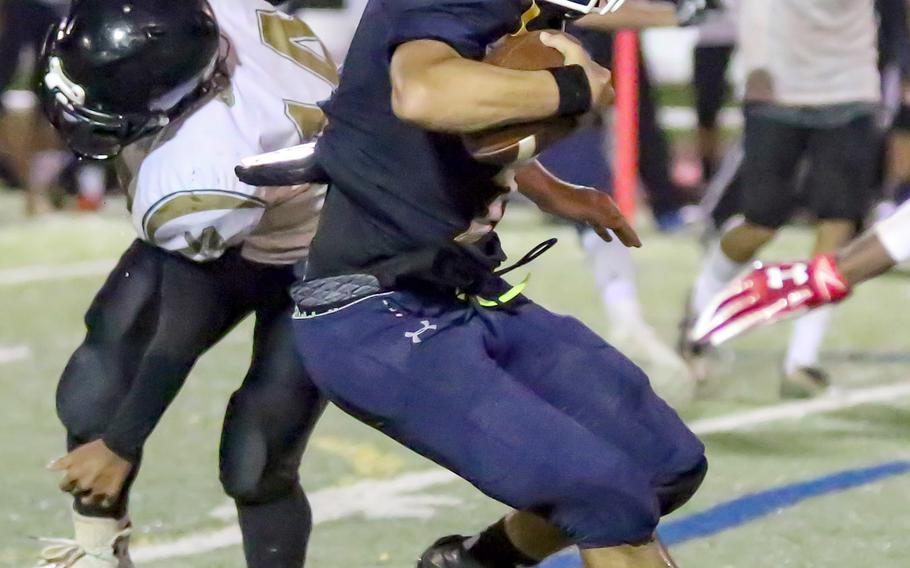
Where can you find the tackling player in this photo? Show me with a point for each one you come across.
(181, 90)
(773, 292)
(404, 321)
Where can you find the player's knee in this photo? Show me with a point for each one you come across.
(609, 517)
(255, 467)
(615, 515)
(767, 218)
(677, 493)
(253, 483)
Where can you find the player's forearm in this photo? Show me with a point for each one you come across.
(634, 15)
(864, 259)
(438, 90)
(150, 395)
(542, 187)
(879, 249)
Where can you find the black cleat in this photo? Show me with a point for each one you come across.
(448, 552)
(805, 382)
(696, 355)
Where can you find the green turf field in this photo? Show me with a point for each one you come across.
(378, 505)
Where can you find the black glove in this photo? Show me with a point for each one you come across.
(289, 166)
(694, 12)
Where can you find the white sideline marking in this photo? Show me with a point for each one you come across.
(51, 272)
(684, 118)
(12, 353)
(396, 498)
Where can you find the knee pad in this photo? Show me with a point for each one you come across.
(252, 471)
(677, 493)
(253, 481)
(258, 487)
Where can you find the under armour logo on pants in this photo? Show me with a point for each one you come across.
(414, 336)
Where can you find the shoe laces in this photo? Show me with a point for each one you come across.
(65, 552)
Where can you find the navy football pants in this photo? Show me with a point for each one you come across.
(532, 408)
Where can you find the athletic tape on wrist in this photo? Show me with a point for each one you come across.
(574, 90)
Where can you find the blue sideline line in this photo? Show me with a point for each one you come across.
(748, 508)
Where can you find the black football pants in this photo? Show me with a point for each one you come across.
(155, 315)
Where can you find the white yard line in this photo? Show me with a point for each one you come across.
(391, 498)
(840, 400)
(13, 353)
(54, 272)
(399, 497)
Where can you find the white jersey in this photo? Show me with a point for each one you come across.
(184, 194)
(810, 52)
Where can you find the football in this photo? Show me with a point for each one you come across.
(513, 143)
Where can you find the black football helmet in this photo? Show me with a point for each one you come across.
(113, 71)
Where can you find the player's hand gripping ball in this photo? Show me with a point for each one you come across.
(536, 51)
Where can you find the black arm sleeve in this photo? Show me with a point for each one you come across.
(197, 307)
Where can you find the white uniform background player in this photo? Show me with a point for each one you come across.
(811, 74)
(184, 194)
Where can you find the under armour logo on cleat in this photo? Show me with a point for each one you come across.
(414, 336)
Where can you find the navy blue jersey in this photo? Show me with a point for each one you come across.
(395, 188)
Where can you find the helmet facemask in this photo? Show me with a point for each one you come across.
(91, 133)
(98, 126)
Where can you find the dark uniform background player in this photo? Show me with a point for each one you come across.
(532, 408)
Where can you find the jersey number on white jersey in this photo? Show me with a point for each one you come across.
(293, 39)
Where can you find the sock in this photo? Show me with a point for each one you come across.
(275, 535)
(716, 272)
(614, 276)
(806, 341)
(492, 548)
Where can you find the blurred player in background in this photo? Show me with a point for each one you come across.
(665, 197)
(582, 159)
(195, 89)
(895, 60)
(713, 52)
(24, 25)
(812, 90)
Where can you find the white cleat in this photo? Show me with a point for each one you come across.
(99, 543)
